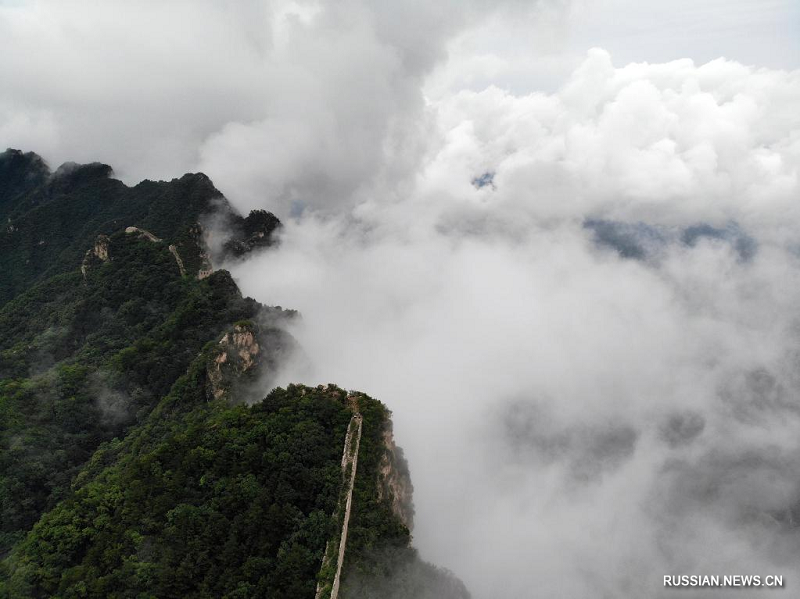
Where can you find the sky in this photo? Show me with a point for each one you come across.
(539, 54)
(559, 239)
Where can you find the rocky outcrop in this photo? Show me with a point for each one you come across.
(395, 480)
(239, 353)
(98, 253)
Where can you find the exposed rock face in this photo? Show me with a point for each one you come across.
(239, 354)
(395, 480)
(244, 341)
(98, 253)
(100, 249)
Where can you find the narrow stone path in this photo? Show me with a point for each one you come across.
(343, 538)
(174, 251)
(352, 442)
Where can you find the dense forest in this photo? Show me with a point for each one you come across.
(138, 454)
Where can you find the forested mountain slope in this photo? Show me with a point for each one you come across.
(89, 352)
(138, 455)
(49, 219)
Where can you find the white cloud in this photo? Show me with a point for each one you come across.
(577, 423)
(655, 142)
(310, 96)
(604, 354)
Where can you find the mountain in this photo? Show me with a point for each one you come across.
(139, 457)
(51, 218)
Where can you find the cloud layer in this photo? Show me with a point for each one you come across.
(280, 101)
(580, 420)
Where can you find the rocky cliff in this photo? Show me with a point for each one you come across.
(395, 480)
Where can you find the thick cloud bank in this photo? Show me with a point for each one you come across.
(280, 101)
(583, 310)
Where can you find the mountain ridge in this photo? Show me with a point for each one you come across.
(139, 454)
(52, 217)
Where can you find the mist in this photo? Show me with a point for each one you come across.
(583, 314)
(573, 420)
(559, 240)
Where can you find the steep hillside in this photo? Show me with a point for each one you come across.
(138, 455)
(85, 356)
(88, 352)
(210, 501)
(223, 501)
